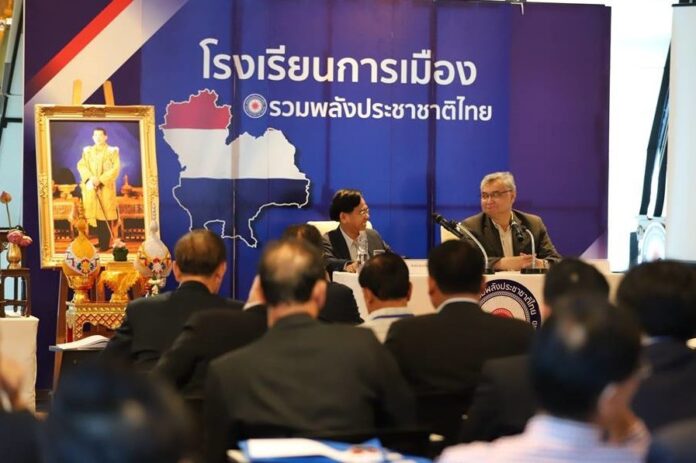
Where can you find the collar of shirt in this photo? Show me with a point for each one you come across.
(349, 241)
(546, 427)
(390, 312)
(456, 299)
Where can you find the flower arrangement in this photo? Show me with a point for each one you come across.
(120, 251)
(18, 237)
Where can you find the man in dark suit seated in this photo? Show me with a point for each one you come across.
(302, 375)
(504, 399)
(387, 290)
(340, 304)
(348, 207)
(663, 297)
(151, 324)
(443, 352)
(585, 367)
(508, 247)
(209, 334)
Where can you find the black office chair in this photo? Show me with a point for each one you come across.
(443, 413)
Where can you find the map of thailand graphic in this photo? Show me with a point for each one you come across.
(229, 183)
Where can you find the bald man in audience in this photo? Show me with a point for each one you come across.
(387, 290)
(151, 324)
(302, 375)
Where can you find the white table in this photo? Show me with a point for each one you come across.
(18, 342)
(507, 293)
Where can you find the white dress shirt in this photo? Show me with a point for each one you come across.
(380, 320)
(505, 239)
(548, 439)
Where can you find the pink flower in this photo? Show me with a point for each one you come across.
(26, 241)
(15, 236)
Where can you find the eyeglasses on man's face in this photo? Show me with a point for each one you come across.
(493, 194)
(364, 211)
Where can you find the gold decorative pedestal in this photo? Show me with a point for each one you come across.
(120, 278)
(107, 314)
(14, 256)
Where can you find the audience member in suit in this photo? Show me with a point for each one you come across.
(387, 290)
(151, 324)
(507, 248)
(504, 399)
(585, 368)
(206, 335)
(105, 414)
(18, 427)
(211, 333)
(340, 304)
(674, 443)
(340, 245)
(302, 375)
(444, 351)
(663, 297)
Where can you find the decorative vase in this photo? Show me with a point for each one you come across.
(120, 278)
(153, 261)
(14, 256)
(81, 264)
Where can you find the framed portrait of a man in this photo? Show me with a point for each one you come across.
(99, 161)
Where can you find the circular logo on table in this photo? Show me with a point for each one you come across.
(509, 299)
(255, 105)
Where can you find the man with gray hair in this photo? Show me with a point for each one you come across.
(501, 230)
(303, 375)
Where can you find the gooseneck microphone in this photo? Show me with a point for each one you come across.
(448, 225)
(518, 229)
(461, 231)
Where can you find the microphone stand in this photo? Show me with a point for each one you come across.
(533, 270)
(462, 229)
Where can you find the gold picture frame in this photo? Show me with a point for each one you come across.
(66, 138)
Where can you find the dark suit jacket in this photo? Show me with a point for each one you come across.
(674, 443)
(336, 250)
(205, 336)
(503, 402)
(19, 439)
(481, 226)
(151, 324)
(340, 306)
(306, 376)
(444, 352)
(668, 394)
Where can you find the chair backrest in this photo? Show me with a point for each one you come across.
(446, 235)
(443, 413)
(325, 226)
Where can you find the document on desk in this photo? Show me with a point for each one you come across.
(96, 342)
(262, 449)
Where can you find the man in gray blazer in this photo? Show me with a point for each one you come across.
(340, 245)
(501, 230)
(302, 375)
